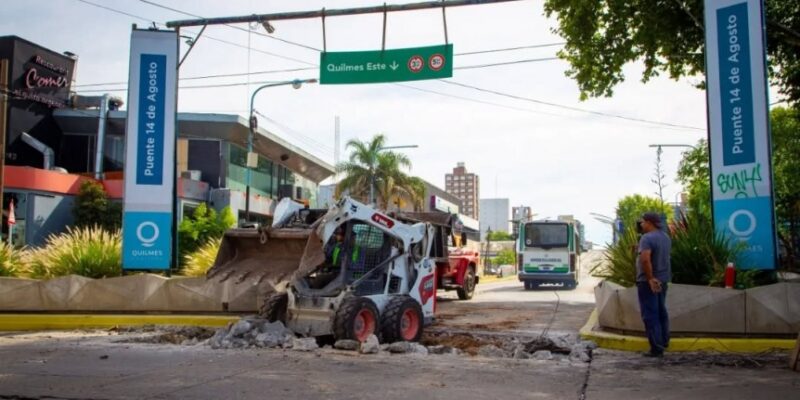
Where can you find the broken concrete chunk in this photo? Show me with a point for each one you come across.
(371, 346)
(347, 344)
(543, 355)
(239, 329)
(400, 347)
(304, 344)
(491, 350)
(520, 353)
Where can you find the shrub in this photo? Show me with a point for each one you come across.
(90, 252)
(505, 257)
(700, 254)
(204, 224)
(93, 208)
(12, 260)
(618, 264)
(198, 262)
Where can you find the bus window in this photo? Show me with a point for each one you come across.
(546, 235)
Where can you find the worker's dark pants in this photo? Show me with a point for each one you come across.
(654, 315)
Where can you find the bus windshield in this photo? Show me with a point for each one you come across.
(546, 235)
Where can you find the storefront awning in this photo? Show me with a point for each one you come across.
(228, 127)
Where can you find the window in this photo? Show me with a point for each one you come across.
(546, 235)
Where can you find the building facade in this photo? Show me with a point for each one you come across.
(520, 214)
(495, 215)
(51, 138)
(466, 187)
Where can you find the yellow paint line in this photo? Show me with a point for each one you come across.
(42, 322)
(614, 341)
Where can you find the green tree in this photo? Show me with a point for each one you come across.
(369, 165)
(602, 36)
(202, 226)
(505, 257)
(93, 208)
(496, 236)
(695, 176)
(630, 208)
(786, 171)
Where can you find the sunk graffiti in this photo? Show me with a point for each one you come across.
(742, 183)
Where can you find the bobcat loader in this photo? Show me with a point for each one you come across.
(349, 273)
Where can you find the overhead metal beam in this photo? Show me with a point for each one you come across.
(261, 18)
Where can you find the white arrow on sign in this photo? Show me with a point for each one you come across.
(394, 65)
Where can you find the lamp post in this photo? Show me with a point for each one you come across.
(372, 176)
(296, 83)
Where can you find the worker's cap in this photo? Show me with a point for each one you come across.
(652, 218)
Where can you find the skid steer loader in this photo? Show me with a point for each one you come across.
(350, 273)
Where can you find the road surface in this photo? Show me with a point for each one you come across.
(111, 365)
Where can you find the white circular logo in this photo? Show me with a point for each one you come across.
(147, 241)
(751, 226)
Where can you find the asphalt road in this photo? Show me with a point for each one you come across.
(106, 365)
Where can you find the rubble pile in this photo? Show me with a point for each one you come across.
(260, 333)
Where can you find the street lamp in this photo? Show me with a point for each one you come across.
(372, 176)
(296, 83)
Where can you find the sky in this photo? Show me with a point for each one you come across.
(554, 159)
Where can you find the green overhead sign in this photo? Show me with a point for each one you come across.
(395, 65)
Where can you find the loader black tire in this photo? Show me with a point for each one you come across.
(467, 290)
(356, 319)
(274, 307)
(402, 320)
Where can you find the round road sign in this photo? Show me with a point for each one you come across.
(415, 64)
(436, 62)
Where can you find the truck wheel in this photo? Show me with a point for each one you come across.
(467, 290)
(356, 319)
(402, 320)
(527, 285)
(274, 307)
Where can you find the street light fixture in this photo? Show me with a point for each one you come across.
(252, 161)
(372, 176)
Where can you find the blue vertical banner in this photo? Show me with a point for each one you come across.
(150, 160)
(148, 202)
(739, 137)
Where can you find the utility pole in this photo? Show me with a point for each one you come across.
(3, 111)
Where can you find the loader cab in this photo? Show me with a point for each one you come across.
(351, 254)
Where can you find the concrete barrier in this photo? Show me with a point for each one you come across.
(135, 293)
(771, 310)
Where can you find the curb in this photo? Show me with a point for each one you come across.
(44, 322)
(614, 341)
(492, 279)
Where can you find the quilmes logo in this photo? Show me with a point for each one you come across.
(147, 232)
(742, 223)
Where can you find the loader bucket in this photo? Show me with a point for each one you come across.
(263, 257)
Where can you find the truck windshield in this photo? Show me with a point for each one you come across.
(546, 235)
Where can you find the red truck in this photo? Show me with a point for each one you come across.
(456, 266)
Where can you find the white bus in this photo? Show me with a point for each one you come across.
(547, 252)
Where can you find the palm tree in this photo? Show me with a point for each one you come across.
(368, 165)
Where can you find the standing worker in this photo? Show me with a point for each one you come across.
(653, 273)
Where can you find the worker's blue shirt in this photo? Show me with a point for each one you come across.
(660, 246)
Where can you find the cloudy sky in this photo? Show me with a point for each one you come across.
(524, 147)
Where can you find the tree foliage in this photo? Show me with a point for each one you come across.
(786, 171)
(93, 208)
(694, 175)
(630, 208)
(505, 257)
(497, 236)
(203, 225)
(368, 164)
(667, 36)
